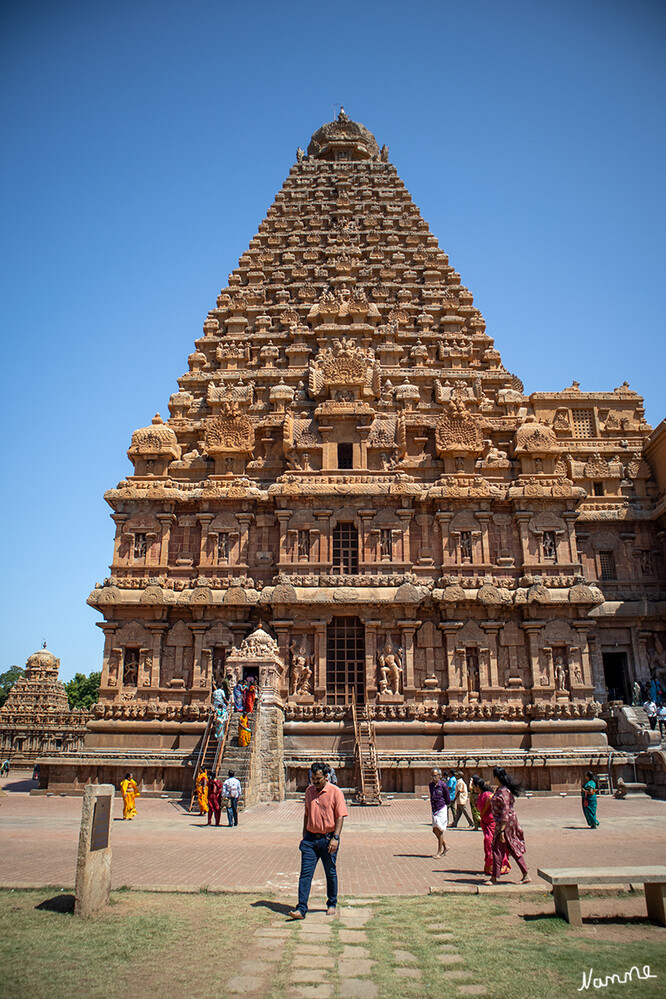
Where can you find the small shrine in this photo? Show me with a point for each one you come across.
(36, 719)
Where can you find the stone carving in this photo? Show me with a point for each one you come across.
(536, 438)
(389, 672)
(345, 367)
(458, 432)
(597, 468)
(301, 669)
(229, 433)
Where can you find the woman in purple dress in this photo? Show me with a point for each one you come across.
(508, 839)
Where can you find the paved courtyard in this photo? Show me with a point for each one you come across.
(385, 850)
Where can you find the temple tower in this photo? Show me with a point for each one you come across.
(348, 460)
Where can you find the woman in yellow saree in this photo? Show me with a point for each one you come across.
(244, 731)
(202, 792)
(130, 792)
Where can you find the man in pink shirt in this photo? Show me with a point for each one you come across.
(325, 811)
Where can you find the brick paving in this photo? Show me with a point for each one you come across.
(385, 850)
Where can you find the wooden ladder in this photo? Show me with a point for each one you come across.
(370, 792)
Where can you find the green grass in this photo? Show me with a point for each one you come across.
(512, 956)
(175, 946)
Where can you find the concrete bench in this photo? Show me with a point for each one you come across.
(567, 880)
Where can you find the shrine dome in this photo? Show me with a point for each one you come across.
(42, 661)
(343, 139)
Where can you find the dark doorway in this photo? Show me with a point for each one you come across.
(615, 675)
(345, 660)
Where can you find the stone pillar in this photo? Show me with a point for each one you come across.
(283, 636)
(93, 862)
(483, 517)
(640, 651)
(522, 519)
(109, 630)
(585, 687)
(364, 516)
(167, 520)
(443, 520)
(201, 679)
(120, 520)
(570, 517)
(453, 678)
(324, 536)
(532, 630)
(405, 517)
(157, 630)
(425, 556)
(319, 660)
(492, 630)
(205, 519)
(371, 659)
(408, 630)
(244, 519)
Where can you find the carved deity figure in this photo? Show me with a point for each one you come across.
(301, 672)
(389, 670)
(560, 674)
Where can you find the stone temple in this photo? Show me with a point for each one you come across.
(350, 473)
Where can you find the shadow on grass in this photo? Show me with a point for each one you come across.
(59, 903)
(278, 907)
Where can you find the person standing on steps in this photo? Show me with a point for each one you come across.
(231, 791)
(440, 799)
(325, 811)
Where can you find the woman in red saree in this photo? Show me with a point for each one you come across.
(249, 699)
(508, 838)
(488, 826)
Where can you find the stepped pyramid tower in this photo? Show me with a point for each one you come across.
(36, 718)
(348, 461)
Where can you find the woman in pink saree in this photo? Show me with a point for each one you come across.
(508, 838)
(483, 805)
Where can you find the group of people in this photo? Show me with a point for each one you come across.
(212, 795)
(493, 812)
(241, 697)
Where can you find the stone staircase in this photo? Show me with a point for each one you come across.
(629, 728)
(239, 758)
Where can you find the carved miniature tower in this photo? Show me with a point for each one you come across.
(348, 460)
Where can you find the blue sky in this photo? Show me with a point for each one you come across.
(145, 140)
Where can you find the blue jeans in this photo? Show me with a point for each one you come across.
(314, 847)
(232, 812)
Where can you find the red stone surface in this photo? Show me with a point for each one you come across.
(385, 850)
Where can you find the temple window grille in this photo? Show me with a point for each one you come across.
(598, 488)
(583, 423)
(223, 548)
(131, 667)
(465, 546)
(140, 545)
(303, 545)
(549, 546)
(345, 660)
(386, 544)
(345, 455)
(607, 565)
(345, 549)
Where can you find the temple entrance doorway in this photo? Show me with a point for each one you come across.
(345, 660)
(615, 675)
